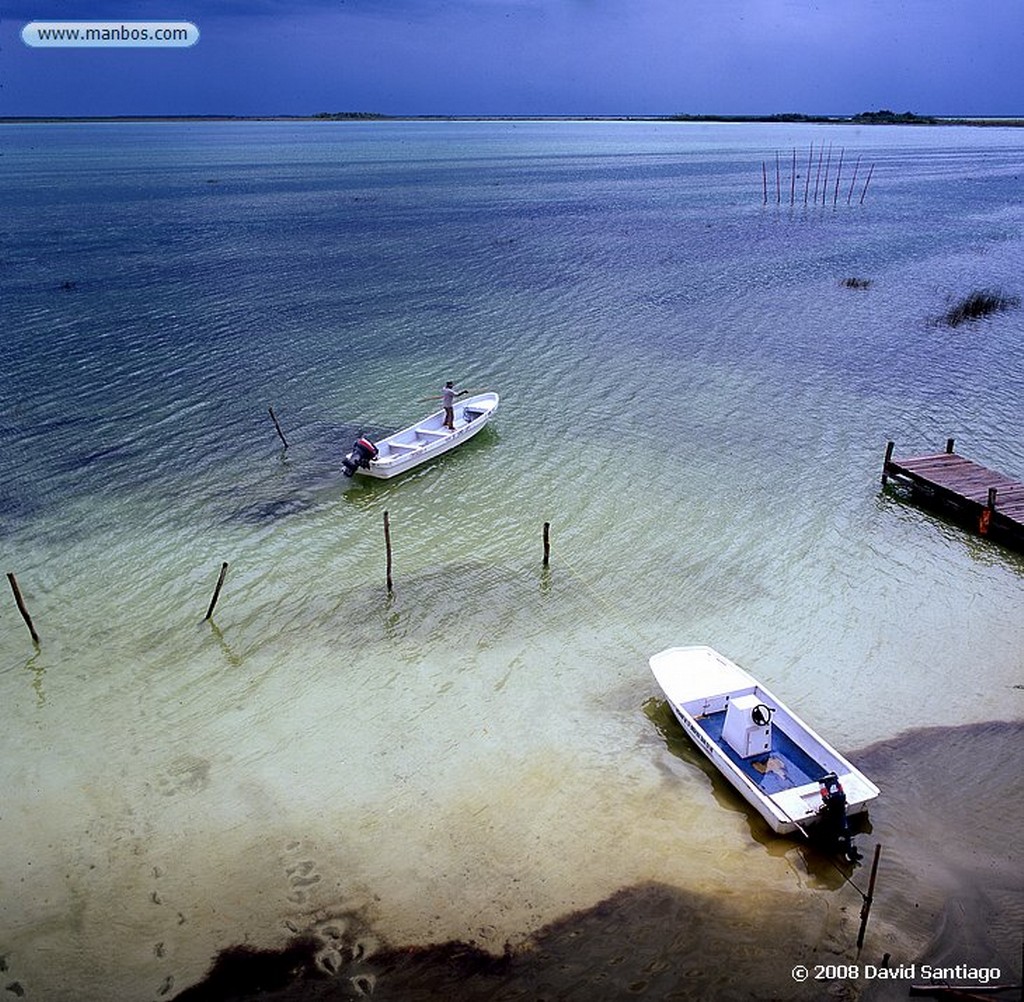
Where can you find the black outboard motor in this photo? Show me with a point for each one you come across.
(835, 826)
(362, 452)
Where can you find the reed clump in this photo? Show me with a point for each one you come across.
(979, 303)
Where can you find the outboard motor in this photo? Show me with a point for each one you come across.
(834, 823)
(362, 452)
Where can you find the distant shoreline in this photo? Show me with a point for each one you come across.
(794, 119)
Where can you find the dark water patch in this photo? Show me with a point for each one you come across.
(261, 512)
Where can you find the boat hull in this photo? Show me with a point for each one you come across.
(782, 783)
(428, 439)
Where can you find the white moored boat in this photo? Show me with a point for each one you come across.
(787, 772)
(424, 440)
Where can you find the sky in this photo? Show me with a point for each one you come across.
(527, 57)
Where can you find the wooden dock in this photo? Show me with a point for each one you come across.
(991, 502)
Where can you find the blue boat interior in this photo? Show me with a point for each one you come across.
(784, 767)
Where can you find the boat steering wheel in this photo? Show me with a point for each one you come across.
(761, 715)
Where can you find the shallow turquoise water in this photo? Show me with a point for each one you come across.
(689, 395)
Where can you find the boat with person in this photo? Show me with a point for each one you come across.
(422, 441)
(787, 772)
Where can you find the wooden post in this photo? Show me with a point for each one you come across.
(985, 518)
(817, 177)
(273, 417)
(885, 465)
(950, 442)
(839, 174)
(778, 180)
(856, 167)
(866, 907)
(21, 608)
(216, 591)
(871, 170)
(807, 180)
(764, 180)
(387, 549)
(547, 543)
(828, 167)
(792, 183)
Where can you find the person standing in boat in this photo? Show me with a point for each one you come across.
(448, 395)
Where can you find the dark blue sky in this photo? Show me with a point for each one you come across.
(522, 57)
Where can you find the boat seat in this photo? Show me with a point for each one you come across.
(430, 433)
(397, 446)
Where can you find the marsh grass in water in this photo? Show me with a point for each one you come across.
(979, 303)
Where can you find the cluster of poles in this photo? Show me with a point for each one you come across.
(823, 178)
(388, 578)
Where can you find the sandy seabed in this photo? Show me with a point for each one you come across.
(949, 893)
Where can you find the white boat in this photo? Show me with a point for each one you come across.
(426, 439)
(789, 774)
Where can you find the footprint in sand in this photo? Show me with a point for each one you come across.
(186, 774)
(301, 875)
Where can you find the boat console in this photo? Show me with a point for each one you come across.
(748, 726)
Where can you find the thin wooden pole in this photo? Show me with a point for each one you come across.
(885, 465)
(867, 181)
(866, 907)
(839, 174)
(764, 180)
(828, 164)
(950, 443)
(216, 591)
(387, 549)
(792, 182)
(22, 609)
(856, 167)
(807, 180)
(817, 177)
(778, 180)
(547, 543)
(273, 417)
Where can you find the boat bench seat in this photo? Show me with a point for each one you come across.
(429, 433)
(404, 446)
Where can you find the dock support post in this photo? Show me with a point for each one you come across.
(216, 591)
(866, 907)
(950, 442)
(387, 548)
(547, 543)
(22, 609)
(985, 518)
(885, 465)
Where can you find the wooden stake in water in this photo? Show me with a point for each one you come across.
(866, 907)
(216, 591)
(778, 180)
(792, 182)
(22, 609)
(273, 417)
(839, 173)
(807, 180)
(856, 166)
(867, 181)
(387, 549)
(764, 180)
(547, 543)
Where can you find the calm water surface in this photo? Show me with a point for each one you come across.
(691, 397)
